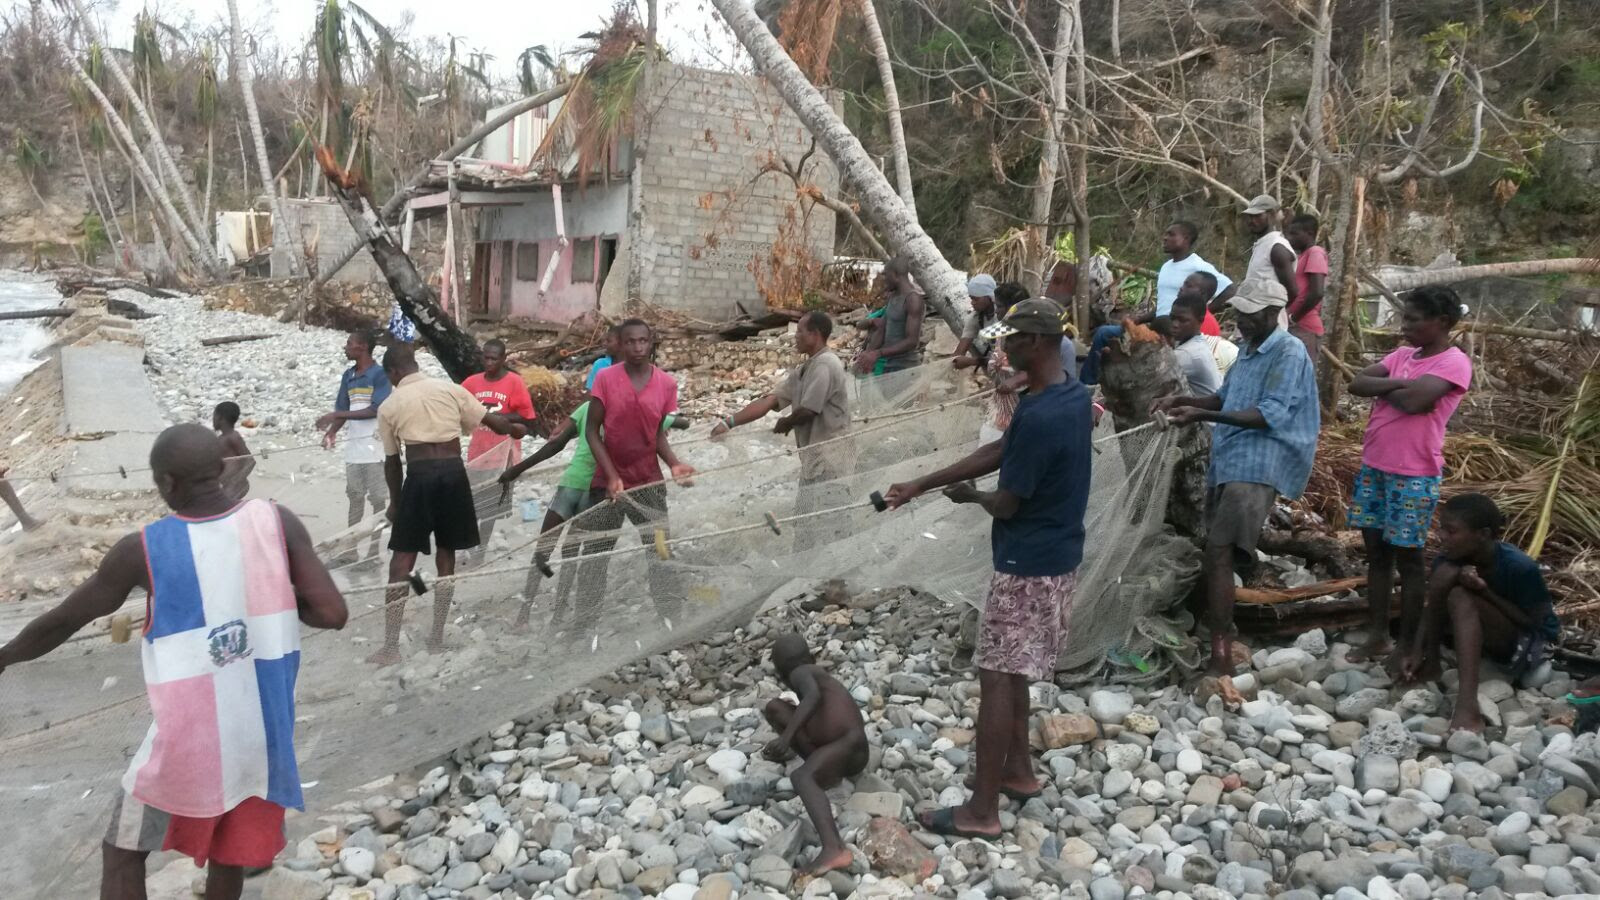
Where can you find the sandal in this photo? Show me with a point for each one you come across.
(1573, 699)
(943, 822)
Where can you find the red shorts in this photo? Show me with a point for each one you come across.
(249, 835)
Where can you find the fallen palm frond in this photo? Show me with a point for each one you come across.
(599, 110)
(1541, 529)
(1005, 256)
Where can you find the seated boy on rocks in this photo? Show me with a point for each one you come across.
(825, 728)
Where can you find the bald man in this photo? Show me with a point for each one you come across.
(430, 497)
(213, 779)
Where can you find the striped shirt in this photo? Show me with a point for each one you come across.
(1277, 379)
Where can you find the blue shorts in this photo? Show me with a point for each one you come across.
(1400, 505)
(568, 502)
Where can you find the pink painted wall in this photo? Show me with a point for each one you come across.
(564, 301)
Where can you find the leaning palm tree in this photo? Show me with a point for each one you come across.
(205, 107)
(243, 70)
(176, 193)
(204, 258)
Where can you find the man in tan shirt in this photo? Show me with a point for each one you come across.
(430, 496)
(817, 395)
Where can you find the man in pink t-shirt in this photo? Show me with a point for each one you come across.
(626, 407)
(1415, 390)
(1310, 279)
(502, 391)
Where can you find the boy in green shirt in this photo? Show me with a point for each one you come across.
(571, 499)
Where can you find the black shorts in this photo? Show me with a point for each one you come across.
(435, 501)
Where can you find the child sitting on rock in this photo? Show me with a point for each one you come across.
(826, 729)
(1490, 598)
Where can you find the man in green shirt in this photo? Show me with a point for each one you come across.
(571, 500)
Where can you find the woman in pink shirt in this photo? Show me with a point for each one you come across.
(1310, 278)
(1415, 390)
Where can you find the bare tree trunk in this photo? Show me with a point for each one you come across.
(211, 159)
(1079, 198)
(879, 202)
(891, 98)
(1321, 49)
(1116, 31)
(1422, 277)
(392, 205)
(159, 146)
(455, 349)
(205, 260)
(1344, 283)
(243, 69)
(1053, 110)
(650, 21)
(88, 180)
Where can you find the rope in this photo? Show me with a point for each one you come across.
(125, 471)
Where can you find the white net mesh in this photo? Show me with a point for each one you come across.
(621, 590)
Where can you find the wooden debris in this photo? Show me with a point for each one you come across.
(234, 339)
(1263, 597)
(36, 314)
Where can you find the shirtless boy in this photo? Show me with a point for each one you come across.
(237, 463)
(825, 729)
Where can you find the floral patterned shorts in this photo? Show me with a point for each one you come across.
(1400, 505)
(1024, 624)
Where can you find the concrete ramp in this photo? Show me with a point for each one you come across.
(110, 408)
(104, 389)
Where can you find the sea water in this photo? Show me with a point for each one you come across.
(23, 341)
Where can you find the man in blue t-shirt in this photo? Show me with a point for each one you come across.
(613, 347)
(1491, 598)
(362, 389)
(1038, 507)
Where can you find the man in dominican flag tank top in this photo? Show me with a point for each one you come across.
(228, 586)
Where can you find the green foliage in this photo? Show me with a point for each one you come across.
(149, 63)
(32, 159)
(527, 78)
(95, 236)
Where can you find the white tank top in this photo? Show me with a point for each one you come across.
(1261, 264)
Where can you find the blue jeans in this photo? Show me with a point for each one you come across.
(1090, 372)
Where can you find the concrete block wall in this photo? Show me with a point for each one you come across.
(324, 222)
(705, 211)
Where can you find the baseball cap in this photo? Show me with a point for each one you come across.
(1260, 204)
(1256, 294)
(1035, 316)
(981, 286)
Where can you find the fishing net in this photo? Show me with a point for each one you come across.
(760, 520)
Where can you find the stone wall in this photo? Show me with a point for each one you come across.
(706, 211)
(324, 223)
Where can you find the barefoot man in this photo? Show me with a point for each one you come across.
(825, 729)
(229, 585)
(427, 416)
(1489, 596)
(1037, 541)
(1266, 417)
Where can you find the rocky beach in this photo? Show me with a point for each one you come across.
(1326, 781)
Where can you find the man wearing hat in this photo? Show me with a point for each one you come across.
(1271, 256)
(1267, 418)
(1038, 506)
(971, 350)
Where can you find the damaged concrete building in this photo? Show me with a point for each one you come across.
(680, 212)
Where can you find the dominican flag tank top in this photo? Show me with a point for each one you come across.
(221, 649)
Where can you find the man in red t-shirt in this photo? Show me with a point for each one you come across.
(502, 391)
(629, 401)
